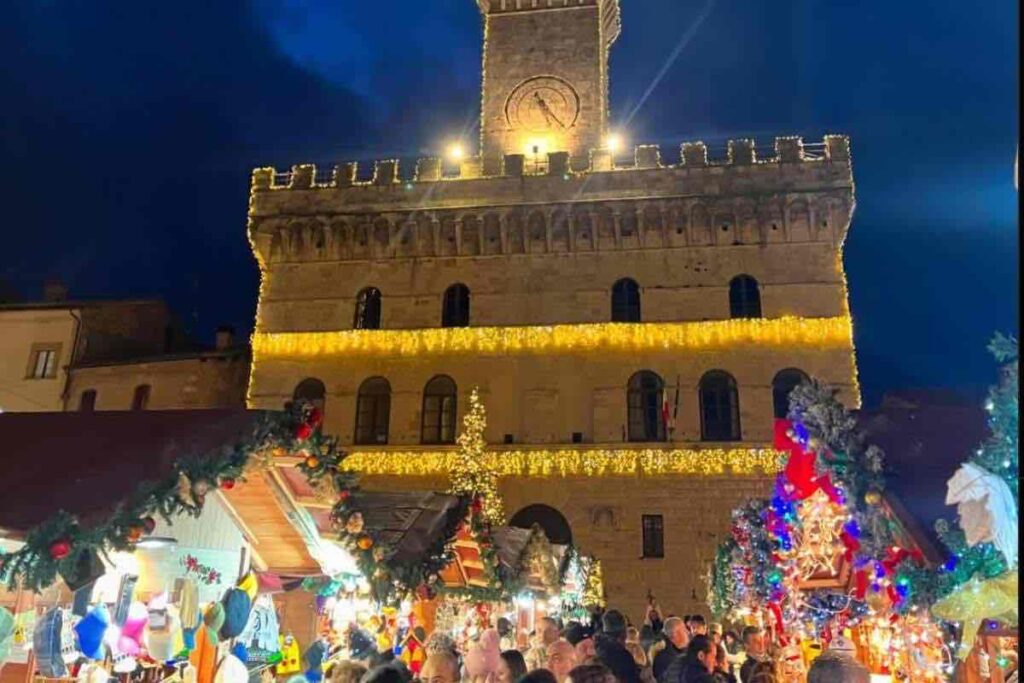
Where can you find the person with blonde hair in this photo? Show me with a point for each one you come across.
(347, 671)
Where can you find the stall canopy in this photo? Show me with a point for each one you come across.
(86, 463)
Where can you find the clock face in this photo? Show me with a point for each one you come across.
(543, 103)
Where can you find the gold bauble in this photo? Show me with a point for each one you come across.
(873, 497)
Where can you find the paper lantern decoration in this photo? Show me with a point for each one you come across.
(90, 630)
(986, 507)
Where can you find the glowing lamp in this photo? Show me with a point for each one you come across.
(613, 142)
(456, 152)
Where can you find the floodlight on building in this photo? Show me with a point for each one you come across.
(613, 142)
(456, 151)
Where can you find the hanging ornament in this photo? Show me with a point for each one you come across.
(364, 542)
(873, 497)
(184, 490)
(312, 462)
(303, 431)
(60, 549)
(987, 509)
(199, 490)
(134, 533)
(149, 524)
(227, 483)
(316, 418)
(344, 495)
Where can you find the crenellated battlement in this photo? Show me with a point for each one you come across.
(797, 193)
(694, 155)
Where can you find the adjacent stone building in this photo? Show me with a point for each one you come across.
(171, 380)
(633, 328)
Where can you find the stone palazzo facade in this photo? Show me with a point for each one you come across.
(633, 327)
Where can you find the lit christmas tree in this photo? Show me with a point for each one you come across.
(471, 476)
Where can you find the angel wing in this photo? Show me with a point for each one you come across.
(986, 507)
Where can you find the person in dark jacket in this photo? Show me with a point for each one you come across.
(610, 647)
(676, 639)
(696, 665)
(753, 645)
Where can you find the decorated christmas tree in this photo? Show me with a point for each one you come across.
(979, 580)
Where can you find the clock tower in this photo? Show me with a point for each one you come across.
(545, 78)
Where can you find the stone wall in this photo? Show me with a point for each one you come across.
(207, 380)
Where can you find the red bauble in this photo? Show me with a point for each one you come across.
(227, 483)
(149, 524)
(477, 505)
(344, 495)
(60, 549)
(303, 431)
(316, 418)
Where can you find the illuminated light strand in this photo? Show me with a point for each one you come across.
(574, 463)
(785, 332)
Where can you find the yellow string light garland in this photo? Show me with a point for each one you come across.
(595, 462)
(785, 332)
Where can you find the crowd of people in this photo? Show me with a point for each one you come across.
(606, 649)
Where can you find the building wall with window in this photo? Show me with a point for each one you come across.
(388, 299)
(208, 379)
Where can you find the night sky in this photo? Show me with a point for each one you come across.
(129, 130)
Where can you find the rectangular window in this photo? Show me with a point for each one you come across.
(43, 361)
(654, 535)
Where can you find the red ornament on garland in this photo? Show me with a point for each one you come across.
(477, 505)
(344, 495)
(227, 483)
(149, 524)
(303, 431)
(316, 418)
(60, 549)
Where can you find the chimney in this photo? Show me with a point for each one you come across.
(225, 337)
(54, 290)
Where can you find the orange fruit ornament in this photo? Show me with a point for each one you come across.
(364, 542)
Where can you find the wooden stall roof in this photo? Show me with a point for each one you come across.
(85, 463)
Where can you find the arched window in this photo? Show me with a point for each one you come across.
(439, 409)
(782, 386)
(744, 297)
(140, 399)
(645, 395)
(311, 390)
(626, 301)
(455, 309)
(373, 411)
(719, 407)
(367, 309)
(555, 525)
(87, 402)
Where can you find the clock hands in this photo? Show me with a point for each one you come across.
(549, 115)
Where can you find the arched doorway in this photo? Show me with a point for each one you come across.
(555, 525)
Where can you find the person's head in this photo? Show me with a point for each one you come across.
(561, 658)
(698, 625)
(632, 635)
(730, 638)
(440, 667)
(585, 650)
(548, 630)
(511, 668)
(384, 674)
(381, 658)
(504, 627)
(720, 662)
(591, 673)
(539, 676)
(613, 624)
(701, 651)
(753, 641)
(763, 672)
(574, 632)
(675, 630)
(347, 672)
(716, 632)
(835, 667)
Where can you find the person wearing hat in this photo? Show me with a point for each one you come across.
(610, 648)
(837, 665)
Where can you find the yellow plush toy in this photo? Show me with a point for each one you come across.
(290, 656)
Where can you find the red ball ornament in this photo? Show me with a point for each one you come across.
(316, 418)
(303, 431)
(227, 483)
(149, 524)
(477, 505)
(344, 495)
(60, 549)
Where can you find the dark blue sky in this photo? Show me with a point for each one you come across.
(129, 129)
